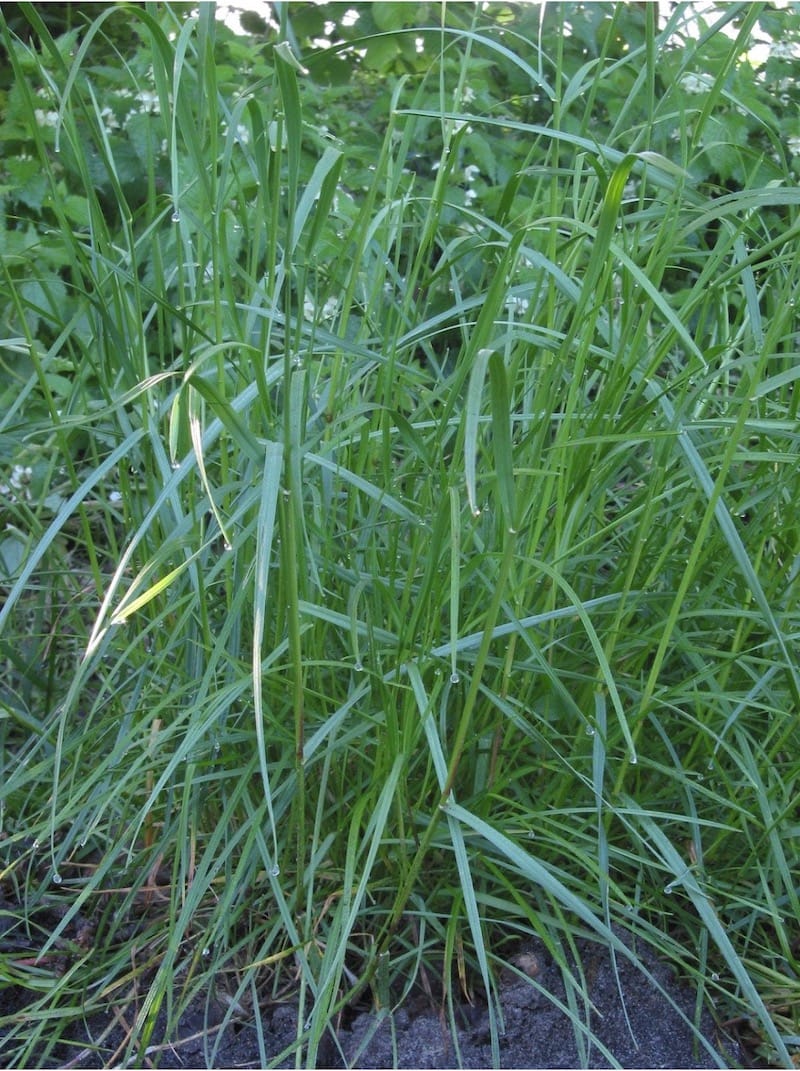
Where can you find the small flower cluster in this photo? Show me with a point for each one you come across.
(130, 104)
(144, 102)
(45, 118)
(516, 305)
(18, 487)
(696, 83)
(471, 172)
(110, 121)
(241, 134)
(149, 103)
(327, 313)
(784, 50)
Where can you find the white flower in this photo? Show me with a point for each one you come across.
(330, 308)
(517, 305)
(327, 312)
(21, 475)
(44, 118)
(470, 195)
(467, 95)
(793, 144)
(110, 120)
(149, 103)
(471, 172)
(17, 487)
(242, 134)
(783, 50)
(696, 83)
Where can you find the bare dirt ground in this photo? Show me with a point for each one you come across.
(635, 1025)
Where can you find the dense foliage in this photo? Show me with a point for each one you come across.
(399, 551)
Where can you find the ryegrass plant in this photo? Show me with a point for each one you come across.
(403, 577)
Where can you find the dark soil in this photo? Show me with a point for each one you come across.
(641, 1029)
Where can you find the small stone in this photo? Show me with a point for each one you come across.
(527, 963)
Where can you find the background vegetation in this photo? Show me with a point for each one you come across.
(399, 543)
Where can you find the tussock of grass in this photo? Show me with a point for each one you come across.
(448, 592)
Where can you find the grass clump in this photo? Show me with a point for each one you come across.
(396, 560)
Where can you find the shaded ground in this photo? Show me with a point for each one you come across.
(649, 1033)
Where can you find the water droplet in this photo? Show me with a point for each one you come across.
(35, 845)
(176, 216)
(274, 870)
(176, 465)
(56, 878)
(668, 889)
(590, 730)
(217, 747)
(206, 951)
(227, 546)
(714, 977)
(454, 678)
(634, 760)
(358, 667)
